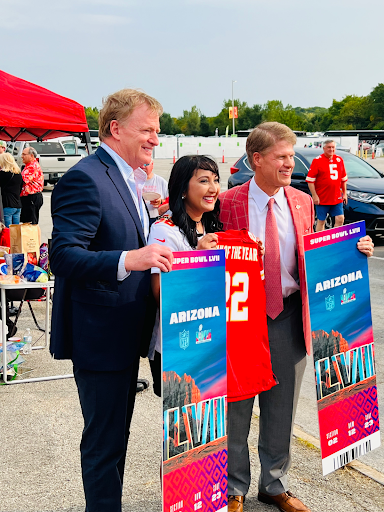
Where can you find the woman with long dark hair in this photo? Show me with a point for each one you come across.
(194, 186)
(11, 183)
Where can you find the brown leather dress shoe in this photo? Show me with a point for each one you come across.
(286, 502)
(235, 503)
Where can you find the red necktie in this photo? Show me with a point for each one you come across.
(272, 268)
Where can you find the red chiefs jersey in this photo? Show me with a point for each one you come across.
(327, 175)
(249, 369)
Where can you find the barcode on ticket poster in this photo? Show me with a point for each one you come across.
(356, 450)
(350, 455)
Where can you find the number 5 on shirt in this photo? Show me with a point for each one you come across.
(236, 313)
(333, 171)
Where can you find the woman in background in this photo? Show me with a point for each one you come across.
(11, 183)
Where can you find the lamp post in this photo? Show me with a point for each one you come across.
(233, 105)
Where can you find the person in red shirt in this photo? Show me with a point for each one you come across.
(327, 182)
(31, 193)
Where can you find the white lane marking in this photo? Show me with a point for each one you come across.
(376, 258)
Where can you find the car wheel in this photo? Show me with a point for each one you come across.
(329, 222)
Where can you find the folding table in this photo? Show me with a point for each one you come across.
(25, 286)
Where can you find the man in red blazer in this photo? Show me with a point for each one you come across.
(279, 215)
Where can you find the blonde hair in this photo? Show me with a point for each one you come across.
(120, 105)
(8, 163)
(266, 135)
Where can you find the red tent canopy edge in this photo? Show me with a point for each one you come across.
(28, 111)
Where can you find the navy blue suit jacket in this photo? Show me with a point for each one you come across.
(96, 320)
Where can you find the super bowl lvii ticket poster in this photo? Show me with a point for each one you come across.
(343, 345)
(194, 387)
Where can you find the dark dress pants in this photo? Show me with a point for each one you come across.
(277, 409)
(278, 405)
(156, 373)
(107, 400)
(30, 207)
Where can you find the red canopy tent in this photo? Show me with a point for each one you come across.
(28, 111)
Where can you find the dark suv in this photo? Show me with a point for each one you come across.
(365, 186)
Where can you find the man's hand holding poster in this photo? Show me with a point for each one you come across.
(343, 346)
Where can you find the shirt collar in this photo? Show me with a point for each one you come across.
(261, 198)
(326, 158)
(125, 169)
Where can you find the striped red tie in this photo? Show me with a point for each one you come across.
(272, 268)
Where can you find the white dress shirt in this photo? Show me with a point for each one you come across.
(135, 180)
(257, 211)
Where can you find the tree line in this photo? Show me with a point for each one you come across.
(351, 113)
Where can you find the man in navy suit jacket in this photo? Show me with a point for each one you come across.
(101, 262)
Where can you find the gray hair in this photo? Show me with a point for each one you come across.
(32, 151)
(326, 142)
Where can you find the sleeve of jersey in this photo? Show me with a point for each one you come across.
(163, 234)
(344, 176)
(261, 264)
(312, 173)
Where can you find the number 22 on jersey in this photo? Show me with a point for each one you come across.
(236, 291)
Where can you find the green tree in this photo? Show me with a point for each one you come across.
(313, 118)
(189, 122)
(377, 98)
(274, 110)
(351, 113)
(205, 127)
(193, 121)
(249, 117)
(92, 115)
(167, 124)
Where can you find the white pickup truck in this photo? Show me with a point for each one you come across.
(52, 156)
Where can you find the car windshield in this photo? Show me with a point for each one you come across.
(355, 167)
(47, 148)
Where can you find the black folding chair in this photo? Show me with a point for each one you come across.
(26, 295)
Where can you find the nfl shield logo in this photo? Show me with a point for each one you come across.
(184, 339)
(329, 302)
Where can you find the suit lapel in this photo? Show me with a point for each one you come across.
(295, 207)
(122, 189)
(240, 207)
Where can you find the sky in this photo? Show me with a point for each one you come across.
(187, 52)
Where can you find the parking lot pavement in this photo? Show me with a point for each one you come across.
(40, 463)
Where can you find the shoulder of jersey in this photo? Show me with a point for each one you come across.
(166, 219)
(338, 159)
(252, 237)
(236, 235)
